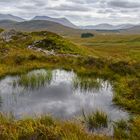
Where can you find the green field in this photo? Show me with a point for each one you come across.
(112, 46)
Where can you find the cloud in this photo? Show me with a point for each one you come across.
(81, 12)
(70, 8)
(124, 4)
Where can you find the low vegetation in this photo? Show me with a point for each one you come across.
(34, 81)
(127, 130)
(121, 129)
(127, 91)
(43, 128)
(1, 30)
(86, 35)
(52, 41)
(96, 120)
(86, 83)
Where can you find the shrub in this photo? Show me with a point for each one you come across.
(86, 35)
(18, 59)
(32, 57)
(1, 30)
(123, 68)
(91, 61)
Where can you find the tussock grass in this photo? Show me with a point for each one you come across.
(96, 120)
(34, 81)
(121, 129)
(86, 83)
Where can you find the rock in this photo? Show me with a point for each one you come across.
(12, 34)
(7, 35)
(41, 50)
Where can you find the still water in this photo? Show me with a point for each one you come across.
(59, 93)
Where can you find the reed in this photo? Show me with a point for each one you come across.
(34, 81)
(86, 83)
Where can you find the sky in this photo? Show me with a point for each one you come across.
(80, 12)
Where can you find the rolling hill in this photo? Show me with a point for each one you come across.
(134, 30)
(108, 26)
(99, 26)
(62, 21)
(62, 26)
(40, 25)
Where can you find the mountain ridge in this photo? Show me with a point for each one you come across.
(40, 25)
(63, 21)
(11, 17)
(106, 26)
(35, 25)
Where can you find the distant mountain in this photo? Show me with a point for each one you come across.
(124, 26)
(40, 25)
(99, 26)
(62, 21)
(108, 26)
(7, 24)
(10, 17)
(134, 30)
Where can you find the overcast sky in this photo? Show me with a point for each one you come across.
(80, 12)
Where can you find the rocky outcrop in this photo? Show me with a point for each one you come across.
(32, 47)
(11, 35)
(7, 35)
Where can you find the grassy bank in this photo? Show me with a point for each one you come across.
(44, 128)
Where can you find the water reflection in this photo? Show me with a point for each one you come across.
(60, 93)
(0, 101)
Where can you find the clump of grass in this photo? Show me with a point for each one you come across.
(47, 120)
(122, 124)
(86, 83)
(121, 129)
(96, 120)
(34, 81)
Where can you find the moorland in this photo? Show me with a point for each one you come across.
(110, 56)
